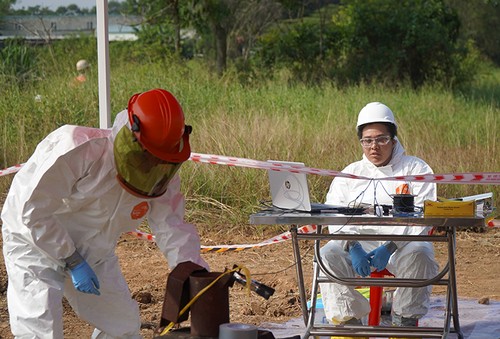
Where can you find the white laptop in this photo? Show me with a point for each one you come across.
(289, 191)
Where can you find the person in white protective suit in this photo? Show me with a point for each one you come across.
(70, 202)
(383, 156)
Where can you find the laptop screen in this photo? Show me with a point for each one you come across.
(289, 191)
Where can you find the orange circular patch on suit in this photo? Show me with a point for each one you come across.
(139, 210)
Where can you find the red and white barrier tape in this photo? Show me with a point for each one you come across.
(476, 178)
(225, 248)
(493, 223)
(10, 170)
(489, 178)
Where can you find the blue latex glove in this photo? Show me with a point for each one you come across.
(84, 278)
(359, 259)
(379, 257)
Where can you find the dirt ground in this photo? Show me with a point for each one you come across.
(146, 270)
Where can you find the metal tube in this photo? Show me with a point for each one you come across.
(103, 63)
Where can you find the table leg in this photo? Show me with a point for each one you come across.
(312, 310)
(447, 319)
(453, 281)
(300, 273)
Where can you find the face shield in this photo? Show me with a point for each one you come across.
(140, 172)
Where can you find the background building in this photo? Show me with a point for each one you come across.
(51, 27)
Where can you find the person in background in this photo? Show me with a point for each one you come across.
(70, 202)
(383, 156)
(81, 67)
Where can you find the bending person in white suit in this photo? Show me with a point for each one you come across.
(68, 205)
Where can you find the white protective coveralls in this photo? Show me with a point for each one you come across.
(66, 198)
(411, 259)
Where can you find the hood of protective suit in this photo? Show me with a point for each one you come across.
(351, 192)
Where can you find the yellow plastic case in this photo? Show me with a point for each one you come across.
(449, 208)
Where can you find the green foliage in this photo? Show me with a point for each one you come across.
(61, 55)
(305, 47)
(156, 40)
(388, 41)
(114, 7)
(5, 6)
(478, 21)
(17, 62)
(160, 35)
(399, 40)
(301, 8)
(264, 119)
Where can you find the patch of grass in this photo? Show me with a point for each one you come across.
(453, 132)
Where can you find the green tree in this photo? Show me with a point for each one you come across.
(296, 9)
(163, 21)
(114, 7)
(309, 47)
(61, 10)
(220, 24)
(251, 20)
(5, 6)
(74, 8)
(219, 20)
(392, 41)
(478, 21)
(399, 39)
(218, 16)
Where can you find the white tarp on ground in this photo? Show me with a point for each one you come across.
(477, 321)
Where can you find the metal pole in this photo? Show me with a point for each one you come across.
(103, 63)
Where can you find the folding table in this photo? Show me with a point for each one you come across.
(446, 226)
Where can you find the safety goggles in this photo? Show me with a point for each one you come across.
(140, 172)
(380, 141)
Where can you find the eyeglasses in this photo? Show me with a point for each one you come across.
(380, 141)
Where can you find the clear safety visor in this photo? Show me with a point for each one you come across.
(140, 172)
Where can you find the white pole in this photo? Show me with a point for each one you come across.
(103, 63)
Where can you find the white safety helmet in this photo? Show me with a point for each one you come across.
(375, 112)
(82, 65)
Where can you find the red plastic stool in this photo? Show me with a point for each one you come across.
(376, 298)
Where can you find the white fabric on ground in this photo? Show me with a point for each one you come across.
(477, 321)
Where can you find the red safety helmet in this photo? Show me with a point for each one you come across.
(157, 121)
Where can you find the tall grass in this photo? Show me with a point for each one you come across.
(453, 132)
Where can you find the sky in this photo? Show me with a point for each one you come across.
(54, 4)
